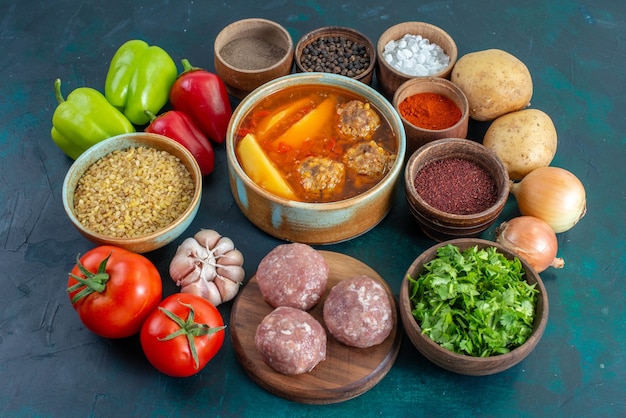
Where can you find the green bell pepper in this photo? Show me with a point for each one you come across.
(85, 119)
(139, 78)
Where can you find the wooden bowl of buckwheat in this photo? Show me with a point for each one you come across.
(137, 191)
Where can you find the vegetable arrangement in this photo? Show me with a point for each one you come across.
(499, 88)
(474, 302)
(140, 81)
(118, 293)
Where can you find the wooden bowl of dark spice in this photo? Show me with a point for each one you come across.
(250, 52)
(336, 50)
(456, 188)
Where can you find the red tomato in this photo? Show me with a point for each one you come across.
(123, 289)
(169, 342)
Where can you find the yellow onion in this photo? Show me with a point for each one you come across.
(532, 239)
(553, 195)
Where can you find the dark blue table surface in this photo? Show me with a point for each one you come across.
(51, 365)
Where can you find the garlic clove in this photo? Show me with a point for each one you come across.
(227, 288)
(223, 246)
(207, 238)
(207, 290)
(232, 258)
(231, 272)
(189, 278)
(186, 259)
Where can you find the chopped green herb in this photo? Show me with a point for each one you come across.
(474, 302)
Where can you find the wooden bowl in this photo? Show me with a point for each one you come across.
(143, 243)
(460, 363)
(389, 78)
(417, 136)
(440, 225)
(337, 31)
(240, 54)
(313, 223)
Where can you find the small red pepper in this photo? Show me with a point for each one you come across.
(202, 95)
(179, 127)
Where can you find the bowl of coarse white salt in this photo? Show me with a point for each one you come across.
(413, 49)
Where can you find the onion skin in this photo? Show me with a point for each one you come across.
(553, 195)
(532, 239)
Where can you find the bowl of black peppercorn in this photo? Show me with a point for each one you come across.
(337, 50)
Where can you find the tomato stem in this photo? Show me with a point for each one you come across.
(92, 282)
(190, 329)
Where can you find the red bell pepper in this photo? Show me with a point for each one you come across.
(202, 95)
(179, 127)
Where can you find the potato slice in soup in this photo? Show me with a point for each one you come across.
(260, 168)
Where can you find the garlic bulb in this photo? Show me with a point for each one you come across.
(208, 265)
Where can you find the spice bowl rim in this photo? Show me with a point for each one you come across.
(458, 362)
(243, 23)
(311, 36)
(306, 220)
(141, 243)
(434, 213)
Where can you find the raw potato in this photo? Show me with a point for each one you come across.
(494, 81)
(524, 140)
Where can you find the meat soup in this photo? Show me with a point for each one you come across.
(315, 144)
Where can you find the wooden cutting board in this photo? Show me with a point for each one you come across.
(346, 373)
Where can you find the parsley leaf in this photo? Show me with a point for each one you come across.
(474, 302)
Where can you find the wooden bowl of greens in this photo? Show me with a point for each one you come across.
(473, 307)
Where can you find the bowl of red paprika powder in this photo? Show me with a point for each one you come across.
(455, 188)
(431, 108)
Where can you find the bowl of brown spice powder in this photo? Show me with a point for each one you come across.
(250, 52)
(455, 188)
(137, 191)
